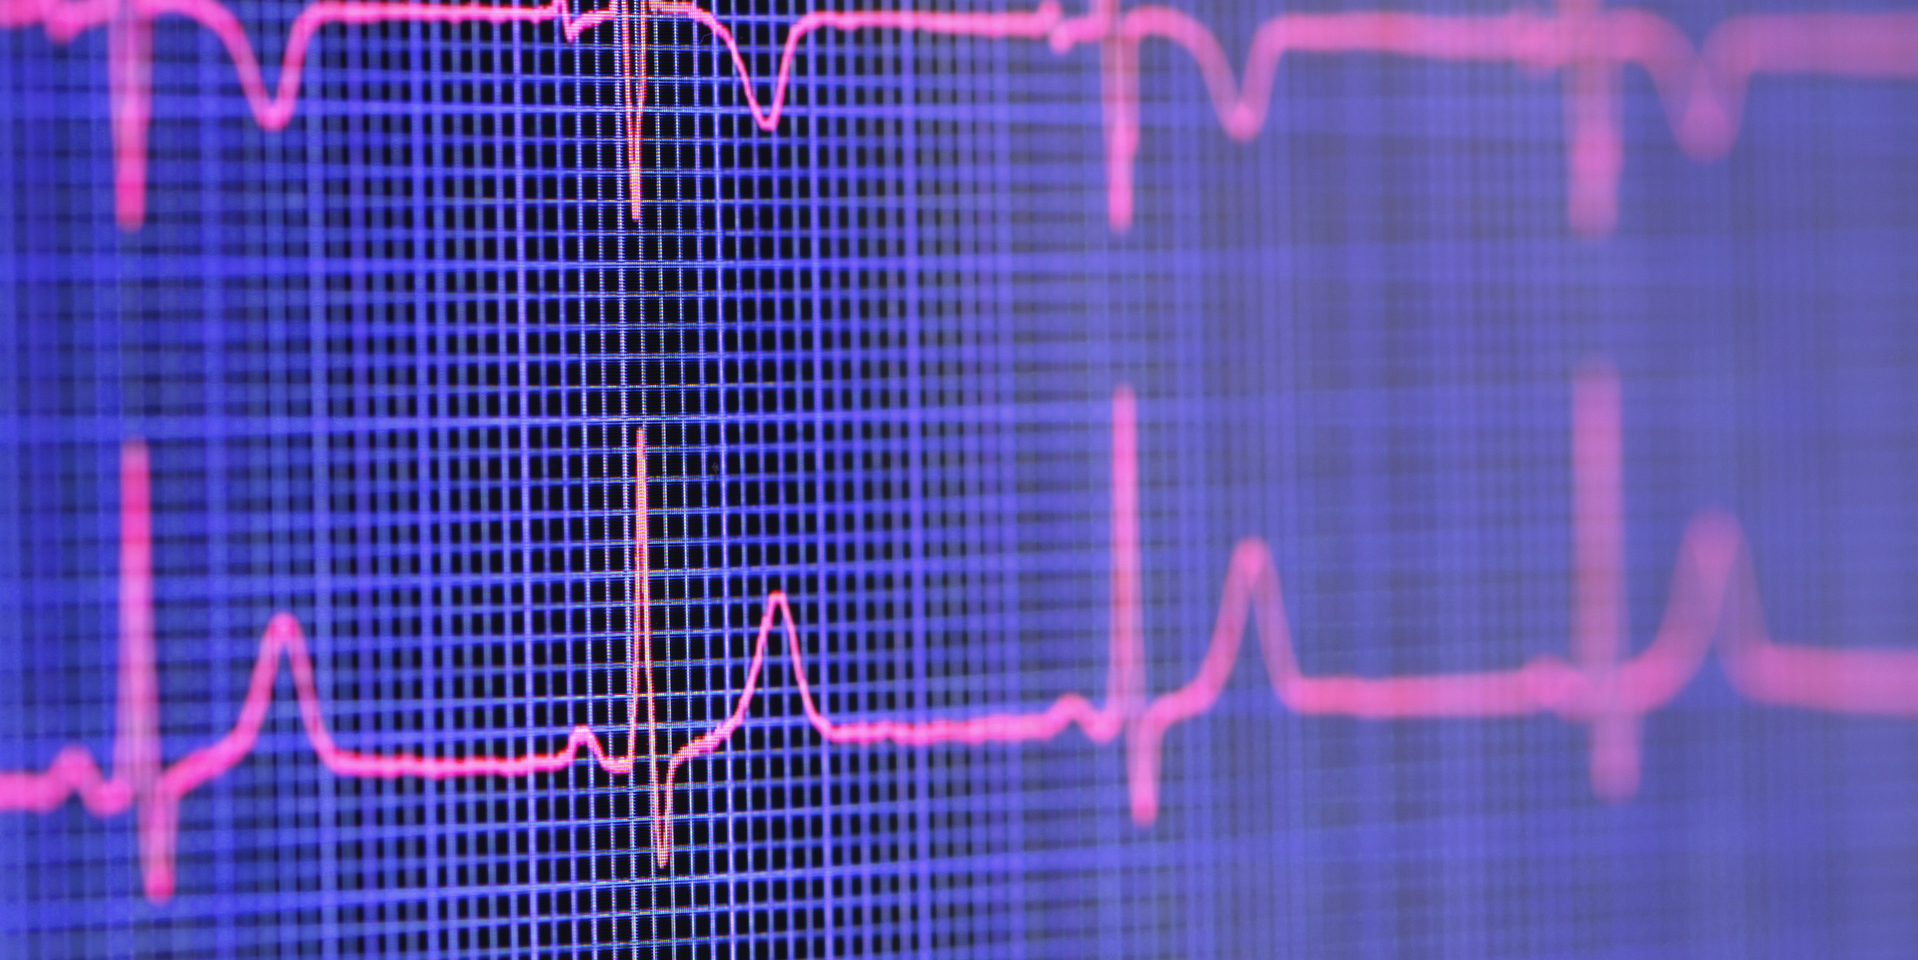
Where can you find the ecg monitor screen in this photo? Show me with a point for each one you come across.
(958, 478)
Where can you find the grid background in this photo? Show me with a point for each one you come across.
(389, 362)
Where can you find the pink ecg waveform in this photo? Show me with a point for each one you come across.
(1713, 599)
(1702, 86)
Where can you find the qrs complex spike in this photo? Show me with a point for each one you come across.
(1701, 86)
(1713, 600)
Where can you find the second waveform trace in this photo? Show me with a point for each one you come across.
(1713, 601)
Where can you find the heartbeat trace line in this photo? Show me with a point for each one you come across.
(1713, 597)
(1702, 86)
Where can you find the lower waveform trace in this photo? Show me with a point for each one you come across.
(1702, 86)
(1713, 603)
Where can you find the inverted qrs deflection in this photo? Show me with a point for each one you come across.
(1713, 600)
(1701, 86)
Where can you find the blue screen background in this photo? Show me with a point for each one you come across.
(389, 364)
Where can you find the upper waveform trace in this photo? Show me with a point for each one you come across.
(1702, 86)
(1713, 599)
